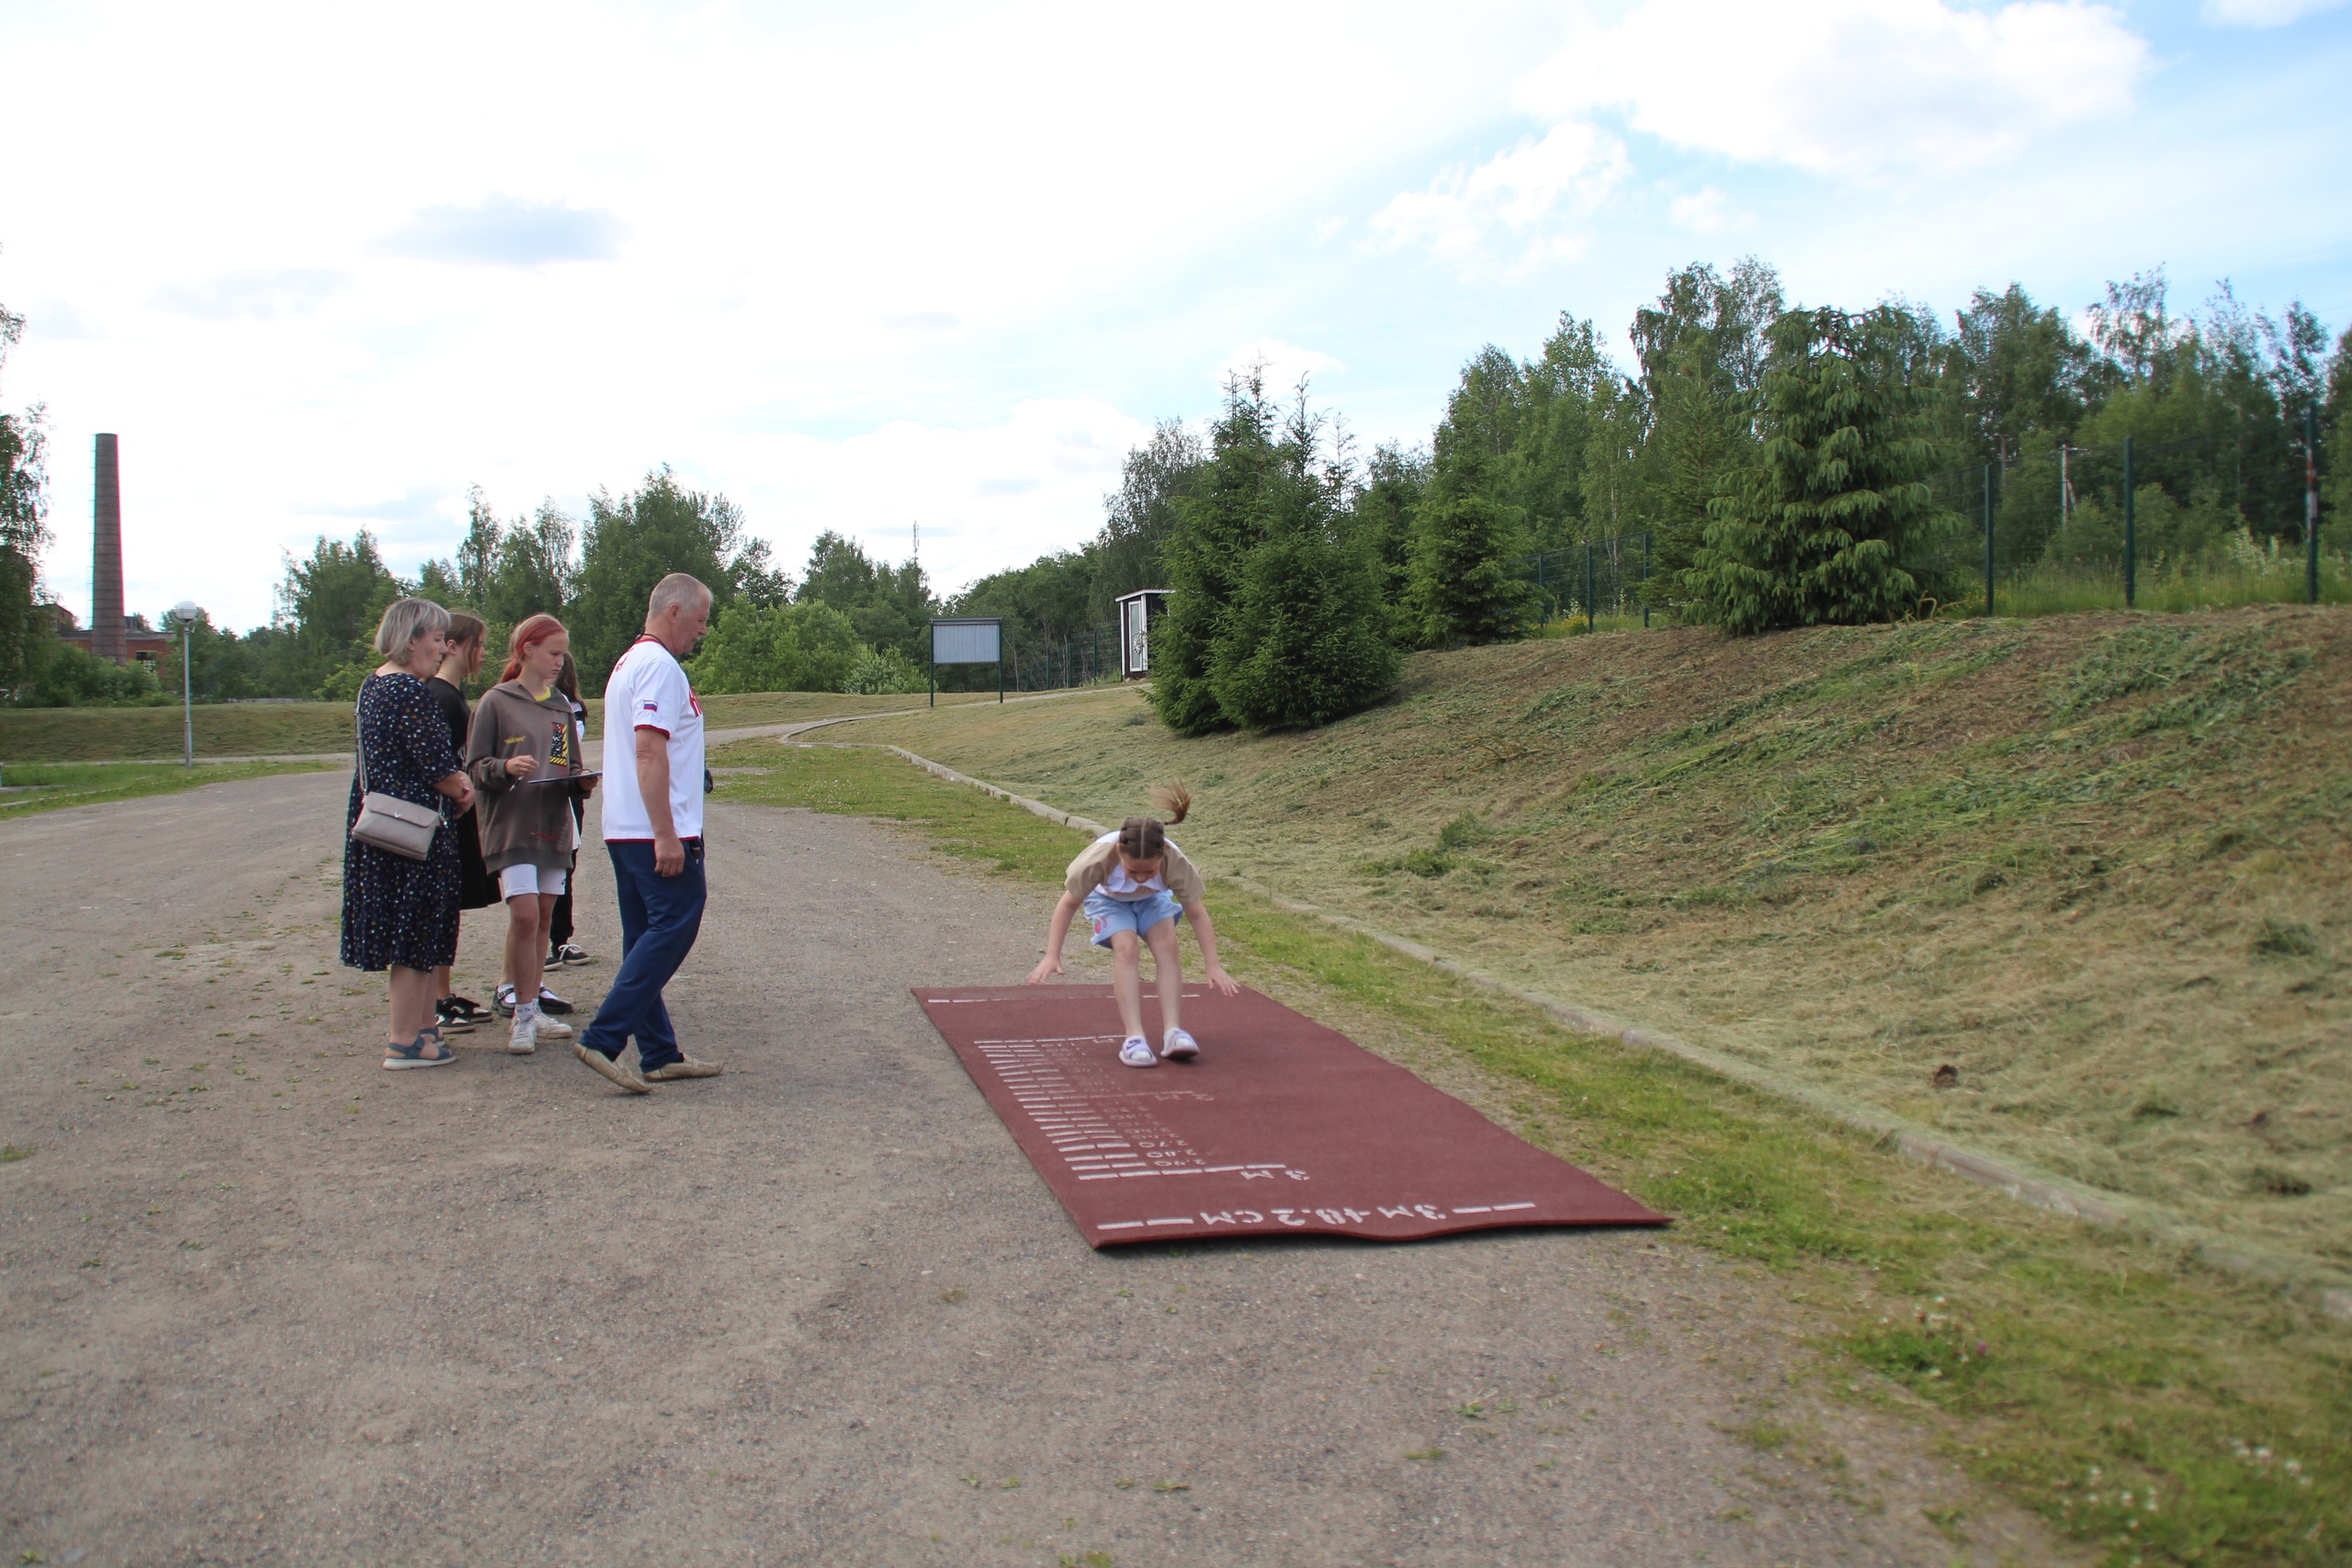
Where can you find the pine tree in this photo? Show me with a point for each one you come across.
(1465, 548)
(1220, 519)
(1305, 641)
(1813, 536)
(1276, 618)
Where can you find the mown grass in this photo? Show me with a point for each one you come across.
(2055, 857)
(2147, 1408)
(33, 787)
(277, 729)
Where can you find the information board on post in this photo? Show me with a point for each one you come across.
(967, 639)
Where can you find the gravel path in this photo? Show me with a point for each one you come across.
(262, 1301)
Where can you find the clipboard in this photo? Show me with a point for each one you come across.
(563, 778)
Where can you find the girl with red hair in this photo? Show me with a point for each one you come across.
(524, 756)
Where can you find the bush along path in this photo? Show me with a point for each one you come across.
(2152, 1409)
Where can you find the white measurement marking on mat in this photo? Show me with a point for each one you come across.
(1333, 1219)
(1103, 1124)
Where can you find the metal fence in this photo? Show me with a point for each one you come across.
(2160, 526)
(1606, 579)
(1082, 661)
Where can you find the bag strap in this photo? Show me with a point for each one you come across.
(358, 737)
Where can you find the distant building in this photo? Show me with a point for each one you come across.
(137, 640)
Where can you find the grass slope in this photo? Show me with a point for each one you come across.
(270, 729)
(2153, 1411)
(2096, 865)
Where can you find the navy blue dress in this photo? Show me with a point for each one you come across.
(397, 910)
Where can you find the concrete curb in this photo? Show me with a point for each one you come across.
(2332, 1295)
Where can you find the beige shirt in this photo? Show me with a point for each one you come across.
(1098, 866)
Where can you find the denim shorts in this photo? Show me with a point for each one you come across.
(1111, 915)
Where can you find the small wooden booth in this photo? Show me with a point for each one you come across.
(1137, 613)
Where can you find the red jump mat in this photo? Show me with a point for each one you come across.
(1280, 1125)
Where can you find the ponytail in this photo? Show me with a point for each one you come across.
(1145, 838)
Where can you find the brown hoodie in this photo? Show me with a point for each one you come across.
(524, 822)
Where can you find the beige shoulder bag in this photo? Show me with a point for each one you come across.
(386, 821)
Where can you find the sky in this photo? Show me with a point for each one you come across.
(327, 267)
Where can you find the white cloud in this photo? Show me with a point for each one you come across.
(1521, 209)
(1702, 211)
(1852, 87)
(2263, 13)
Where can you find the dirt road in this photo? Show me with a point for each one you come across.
(262, 1301)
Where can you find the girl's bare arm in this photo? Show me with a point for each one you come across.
(1056, 930)
(1204, 930)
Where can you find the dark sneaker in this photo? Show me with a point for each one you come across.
(551, 1003)
(456, 1015)
(569, 953)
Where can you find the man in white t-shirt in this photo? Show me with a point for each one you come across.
(653, 788)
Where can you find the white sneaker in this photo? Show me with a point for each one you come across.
(525, 1038)
(553, 1028)
(1180, 1046)
(1137, 1052)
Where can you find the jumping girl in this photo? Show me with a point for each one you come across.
(1135, 885)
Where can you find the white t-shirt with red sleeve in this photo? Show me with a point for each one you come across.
(649, 690)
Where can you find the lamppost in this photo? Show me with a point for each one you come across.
(186, 610)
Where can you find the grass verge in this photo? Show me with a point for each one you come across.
(47, 786)
(2149, 1408)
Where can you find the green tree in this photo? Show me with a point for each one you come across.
(1814, 533)
(1467, 547)
(631, 543)
(1701, 348)
(1275, 617)
(890, 606)
(331, 602)
(1044, 604)
(808, 646)
(1306, 641)
(884, 673)
(69, 676)
(27, 622)
(1220, 518)
(1384, 504)
(531, 569)
(1141, 515)
(2012, 370)
(477, 561)
(222, 665)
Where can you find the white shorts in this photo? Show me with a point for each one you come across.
(518, 880)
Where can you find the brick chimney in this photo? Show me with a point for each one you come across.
(105, 555)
